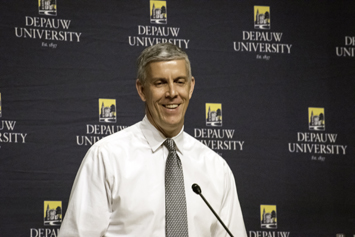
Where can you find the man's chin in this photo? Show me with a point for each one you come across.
(172, 125)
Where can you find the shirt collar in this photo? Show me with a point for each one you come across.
(155, 138)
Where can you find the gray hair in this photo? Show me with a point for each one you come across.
(160, 52)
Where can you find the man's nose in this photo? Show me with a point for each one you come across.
(171, 90)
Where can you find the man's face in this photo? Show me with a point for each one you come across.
(166, 92)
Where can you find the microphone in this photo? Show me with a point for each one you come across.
(196, 188)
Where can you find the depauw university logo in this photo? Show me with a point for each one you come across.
(47, 7)
(52, 213)
(268, 216)
(262, 17)
(107, 110)
(158, 12)
(213, 115)
(316, 119)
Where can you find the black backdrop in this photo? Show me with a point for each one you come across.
(58, 65)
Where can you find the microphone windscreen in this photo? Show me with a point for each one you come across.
(196, 188)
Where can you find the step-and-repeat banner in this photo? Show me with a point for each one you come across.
(274, 96)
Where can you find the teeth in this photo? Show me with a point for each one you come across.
(171, 106)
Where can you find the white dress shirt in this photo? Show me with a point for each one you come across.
(119, 189)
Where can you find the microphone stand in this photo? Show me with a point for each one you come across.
(196, 188)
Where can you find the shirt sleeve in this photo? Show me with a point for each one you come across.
(231, 213)
(90, 202)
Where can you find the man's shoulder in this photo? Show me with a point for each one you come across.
(197, 151)
(195, 145)
(191, 141)
(121, 137)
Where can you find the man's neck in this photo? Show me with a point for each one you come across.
(166, 133)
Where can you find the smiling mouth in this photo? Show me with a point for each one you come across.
(171, 106)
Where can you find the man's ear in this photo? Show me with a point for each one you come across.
(140, 90)
(192, 86)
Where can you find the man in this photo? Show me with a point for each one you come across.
(137, 182)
